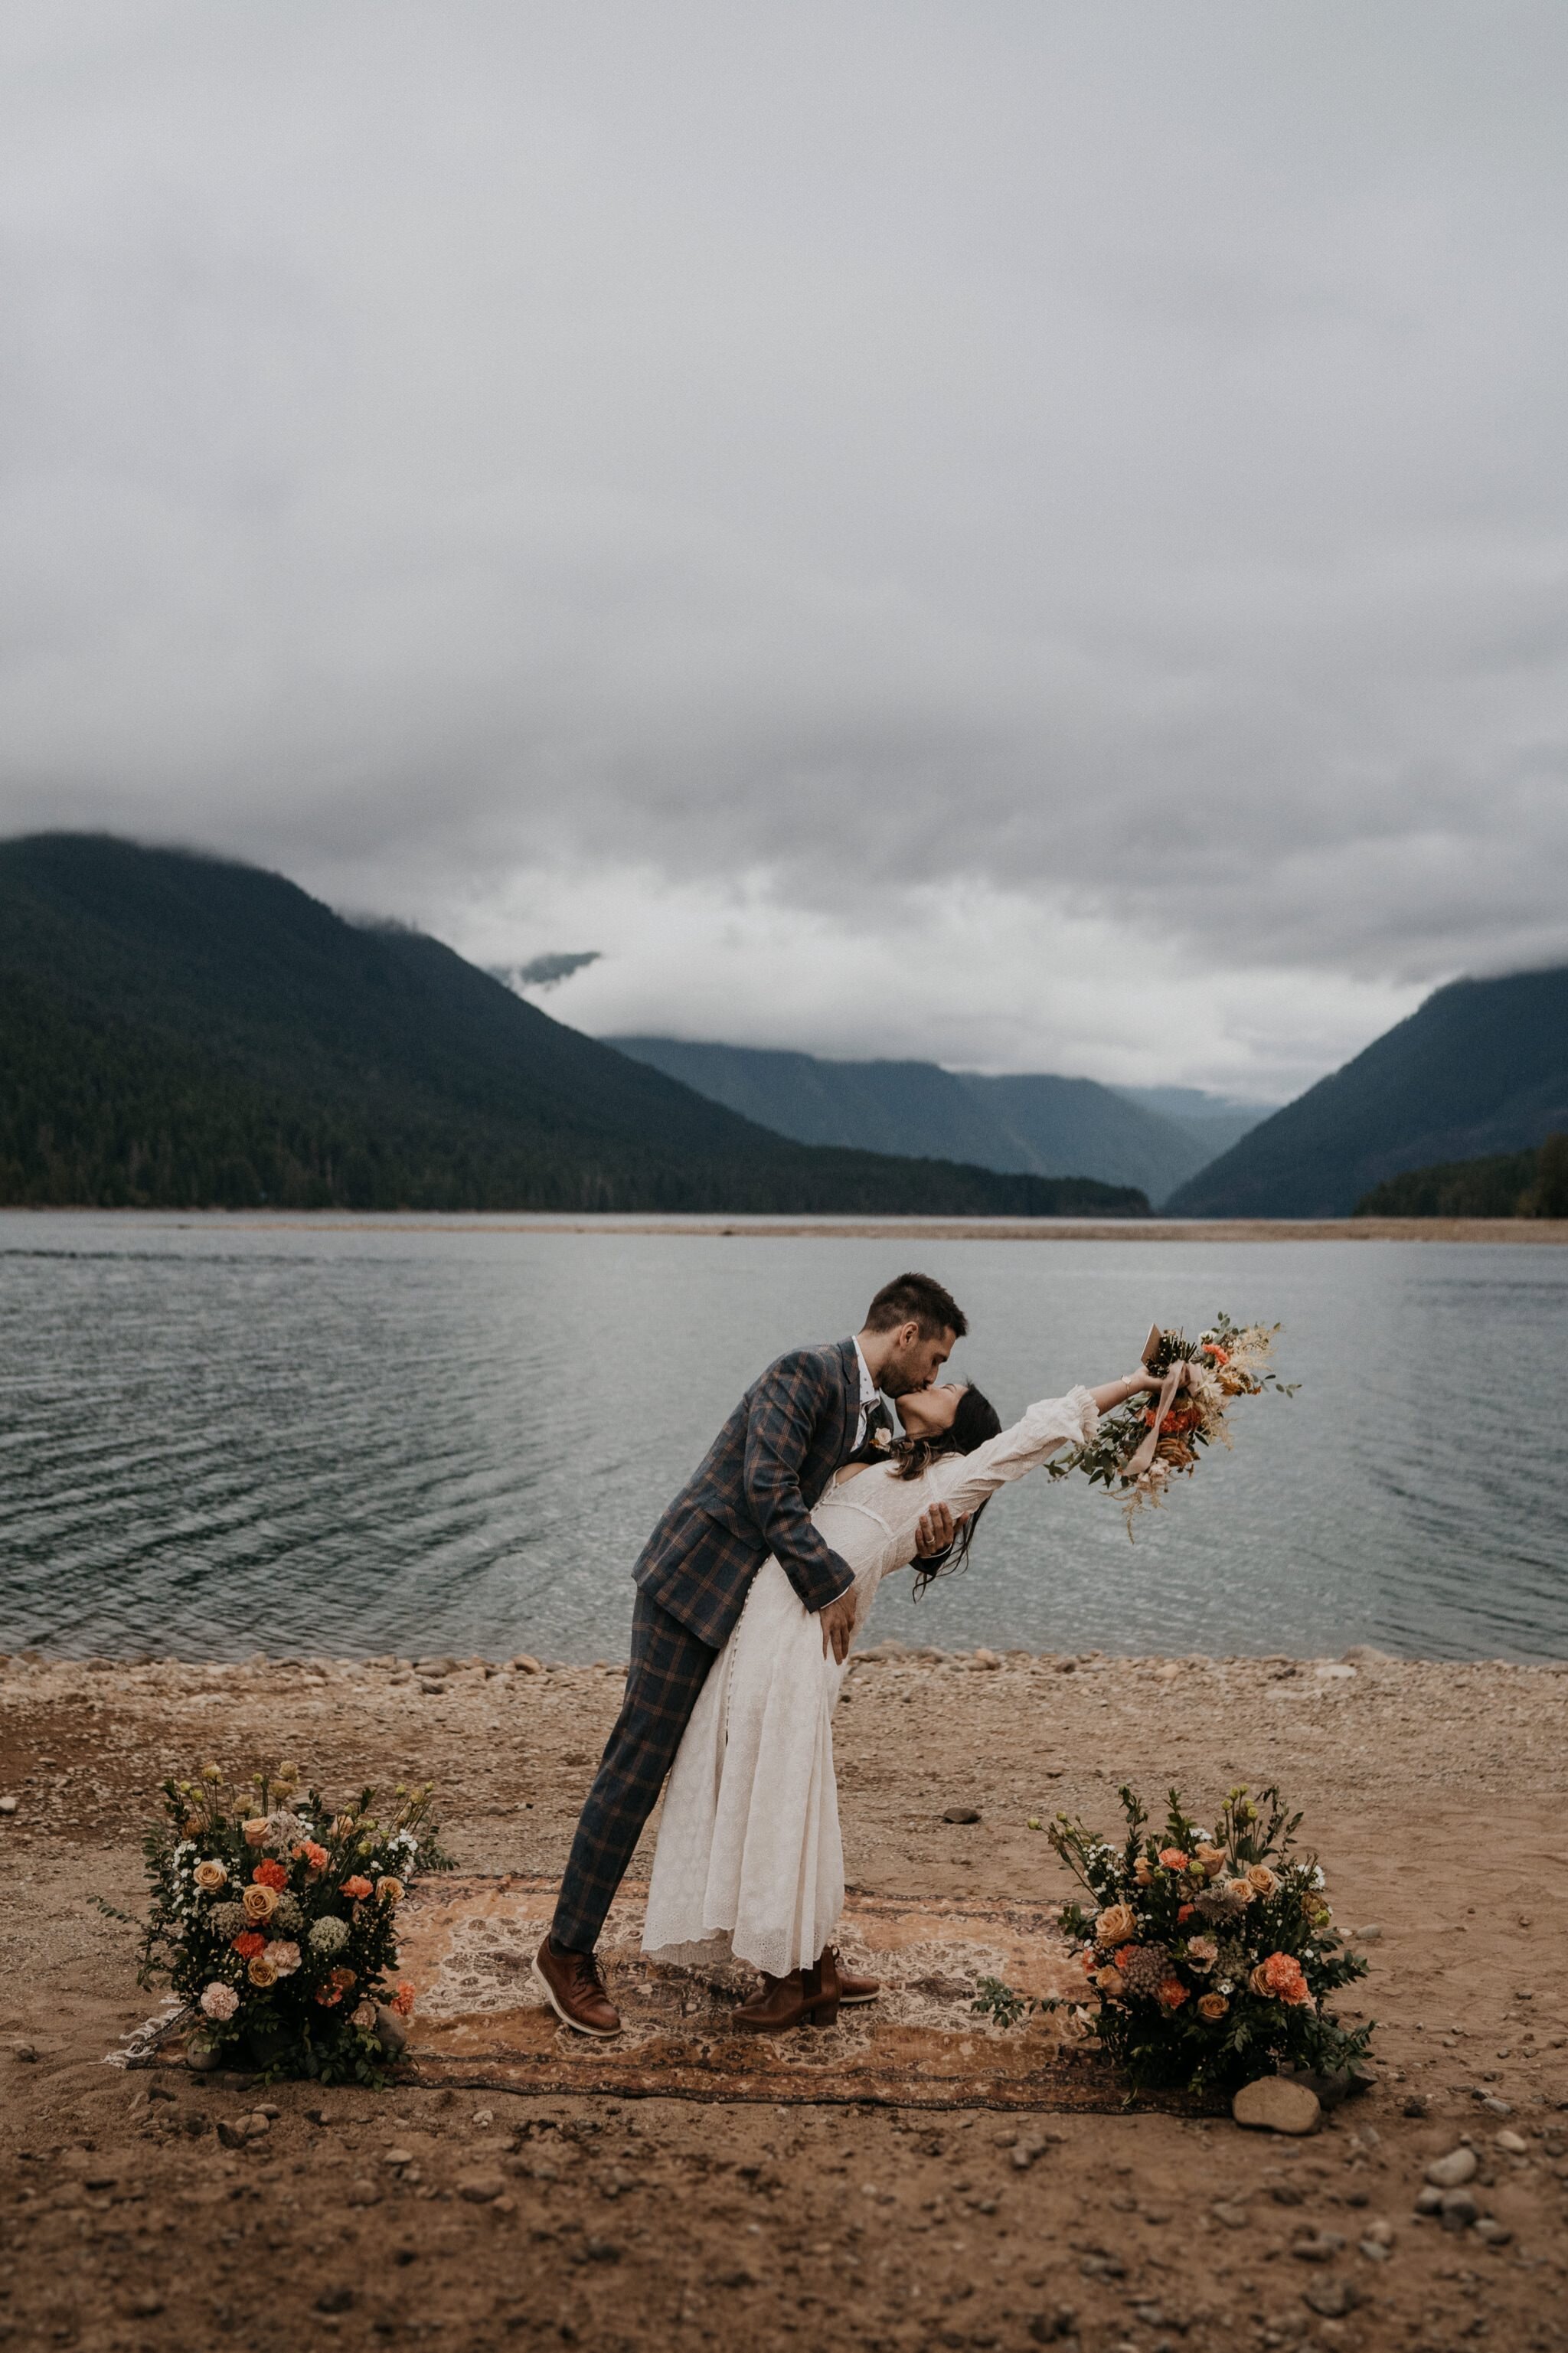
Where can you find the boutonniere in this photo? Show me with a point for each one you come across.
(881, 1438)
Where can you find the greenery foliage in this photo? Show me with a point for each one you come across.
(178, 1031)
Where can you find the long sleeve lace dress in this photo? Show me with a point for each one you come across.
(749, 1862)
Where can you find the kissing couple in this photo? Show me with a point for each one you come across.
(749, 1592)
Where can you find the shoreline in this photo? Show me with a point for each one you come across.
(829, 1227)
(1435, 1792)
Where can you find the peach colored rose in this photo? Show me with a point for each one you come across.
(1239, 1889)
(1109, 1982)
(262, 1971)
(255, 1831)
(1258, 1981)
(1212, 2006)
(1143, 1872)
(260, 1903)
(210, 1876)
(270, 1874)
(1261, 1880)
(390, 1891)
(1212, 1859)
(1116, 1925)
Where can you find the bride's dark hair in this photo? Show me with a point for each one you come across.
(975, 1421)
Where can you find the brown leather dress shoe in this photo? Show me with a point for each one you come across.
(572, 1986)
(850, 1989)
(804, 1998)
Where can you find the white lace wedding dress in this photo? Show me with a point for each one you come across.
(748, 1861)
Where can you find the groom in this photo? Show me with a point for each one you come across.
(750, 1496)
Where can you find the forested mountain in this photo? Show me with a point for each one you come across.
(1036, 1123)
(1480, 1069)
(177, 1030)
(1502, 1185)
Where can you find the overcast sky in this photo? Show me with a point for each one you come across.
(1028, 532)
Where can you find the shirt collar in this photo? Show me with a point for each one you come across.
(867, 1386)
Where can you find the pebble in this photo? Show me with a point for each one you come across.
(1451, 2173)
(1428, 2201)
(26, 2053)
(961, 1814)
(1322, 2248)
(604, 2251)
(1511, 2144)
(1375, 2251)
(396, 2156)
(336, 2299)
(364, 2193)
(1274, 2104)
(525, 1666)
(479, 2189)
(1458, 2209)
(1495, 2233)
(1333, 2298)
(7, 1805)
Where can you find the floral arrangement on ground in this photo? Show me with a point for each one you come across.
(1209, 1957)
(1137, 1451)
(274, 1918)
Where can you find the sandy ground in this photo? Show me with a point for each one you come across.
(1434, 1794)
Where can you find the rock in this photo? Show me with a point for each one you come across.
(986, 1658)
(1374, 2250)
(142, 2303)
(1333, 2298)
(1452, 2171)
(391, 2032)
(479, 2189)
(26, 2053)
(738, 2275)
(1413, 2106)
(525, 1666)
(429, 1683)
(1494, 2106)
(1328, 1673)
(336, 2299)
(1367, 1654)
(601, 2250)
(7, 1805)
(364, 2193)
(1275, 2103)
(233, 2136)
(1051, 2328)
(1458, 2209)
(961, 1814)
(1322, 2248)
(1229, 2218)
(1367, 1936)
(1429, 2202)
(397, 2158)
(1511, 2144)
(1332, 2088)
(1380, 2233)
(201, 2056)
(1495, 2233)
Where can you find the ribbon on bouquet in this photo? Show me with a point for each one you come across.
(1179, 1376)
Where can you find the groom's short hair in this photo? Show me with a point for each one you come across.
(916, 1299)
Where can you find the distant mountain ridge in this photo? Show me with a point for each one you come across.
(1480, 1069)
(179, 1030)
(1036, 1123)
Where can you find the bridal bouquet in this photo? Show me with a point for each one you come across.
(1137, 1451)
(275, 1919)
(1209, 1955)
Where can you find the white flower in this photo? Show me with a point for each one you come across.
(220, 2000)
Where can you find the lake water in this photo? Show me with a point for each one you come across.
(226, 1435)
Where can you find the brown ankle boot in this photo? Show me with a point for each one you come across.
(852, 1990)
(821, 1988)
(572, 1986)
(779, 2004)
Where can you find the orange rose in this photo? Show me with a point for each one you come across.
(1212, 1859)
(390, 1891)
(255, 1831)
(1212, 2006)
(209, 1876)
(1116, 1924)
(260, 1903)
(357, 1887)
(249, 1943)
(1172, 1993)
(1261, 1880)
(262, 1971)
(271, 1874)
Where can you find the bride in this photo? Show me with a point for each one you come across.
(749, 1862)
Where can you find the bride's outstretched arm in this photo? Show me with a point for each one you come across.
(964, 1481)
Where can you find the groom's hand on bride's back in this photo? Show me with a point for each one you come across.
(935, 1533)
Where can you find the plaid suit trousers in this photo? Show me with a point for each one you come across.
(668, 1667)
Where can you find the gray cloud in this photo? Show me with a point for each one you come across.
(868, 476)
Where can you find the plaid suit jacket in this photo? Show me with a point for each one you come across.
(751, 1495)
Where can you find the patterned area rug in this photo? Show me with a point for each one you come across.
(468, 1945)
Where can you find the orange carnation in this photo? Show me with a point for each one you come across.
(1280, 1975)
(1172, 1859)
(403, 1999)
(316, 1856)
(248, 1944)
(271, 1874)
(1172, 1993)
(1185, 1912)
(358, 1887)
